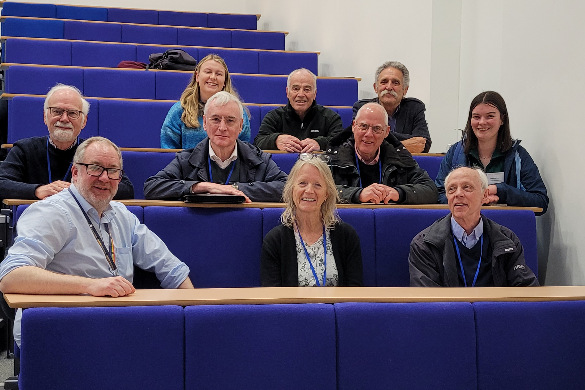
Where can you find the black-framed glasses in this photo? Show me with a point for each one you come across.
(376, 129)
(320, 156)
(58, 112)
(97, 170)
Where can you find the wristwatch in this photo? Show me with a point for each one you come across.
(235, 185)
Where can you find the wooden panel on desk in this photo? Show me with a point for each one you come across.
(273, 295)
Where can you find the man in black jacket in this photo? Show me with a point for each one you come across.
(221, 163)
(464, 248)
(302, 125)
(407, 115)
(38, 167)
(368, 168)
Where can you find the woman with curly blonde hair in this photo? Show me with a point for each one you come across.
(183, 126)
(312, 246)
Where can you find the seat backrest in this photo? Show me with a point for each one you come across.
(38, 80)
(233, 21)
(265, 346)
(134, 33)
(430, 164)
(278, 62)
(119, 83)
(220, 246)
(139, 166)
(99, 54)
(82, 13)
(126, 15)
(285, 161)
(200, 37)
(104, 32)
(407, 345)
(174, 18)
(132, 124)
(26, 51)
(103, 332)
(530, 345)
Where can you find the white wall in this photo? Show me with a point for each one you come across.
(528, 50)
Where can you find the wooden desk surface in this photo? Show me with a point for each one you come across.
(263, 205)
(272, 295)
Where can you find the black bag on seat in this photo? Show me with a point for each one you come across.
(173, 59)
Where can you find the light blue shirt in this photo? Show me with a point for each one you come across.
(469, 240)
(53, 234)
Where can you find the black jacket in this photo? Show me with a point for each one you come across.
(320, 123)
(410, 119)
(279, 266)
(433, 263)
(25, 169)
(263, 182)
(399, 170)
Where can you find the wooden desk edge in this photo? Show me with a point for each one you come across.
(294, 295)
(264, 205)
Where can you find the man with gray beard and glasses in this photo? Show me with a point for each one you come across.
(406, 115)
(38, 167)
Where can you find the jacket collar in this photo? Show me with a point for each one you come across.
(248, 155)
(390, 154)
(308, 116)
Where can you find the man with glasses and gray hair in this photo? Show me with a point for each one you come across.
(80, 242)
(374, 167)
(38, 167)
(406, 115)
(221, 163)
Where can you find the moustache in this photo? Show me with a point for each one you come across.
(393, 93)
(64, 125)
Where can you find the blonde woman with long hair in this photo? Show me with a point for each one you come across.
(312, 246)
(183, 126)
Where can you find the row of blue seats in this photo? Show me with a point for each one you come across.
(139, 165)
(198, 236)
(128, 123)
(140, 33)
(108, 55)
(438, 345)
(164, 84)
(126, 15)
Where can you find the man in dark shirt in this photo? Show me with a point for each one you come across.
(302, 125)
(464, 248)
(368, 168)
(38, 167)
(406, 115)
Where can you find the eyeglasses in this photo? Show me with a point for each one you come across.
(97, 170)
(363, 127)
(58, 112)
(320, 156)
(229, 121)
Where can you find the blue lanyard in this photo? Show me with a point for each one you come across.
(233, 164)
(49, 165)
(357, 165)
(309, 258)
(461, 263)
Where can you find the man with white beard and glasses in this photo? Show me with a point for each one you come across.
(38, 167)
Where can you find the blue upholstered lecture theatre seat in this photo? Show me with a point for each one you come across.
(417, 345)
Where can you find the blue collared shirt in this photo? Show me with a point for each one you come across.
(469, 240)
(53, 234)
